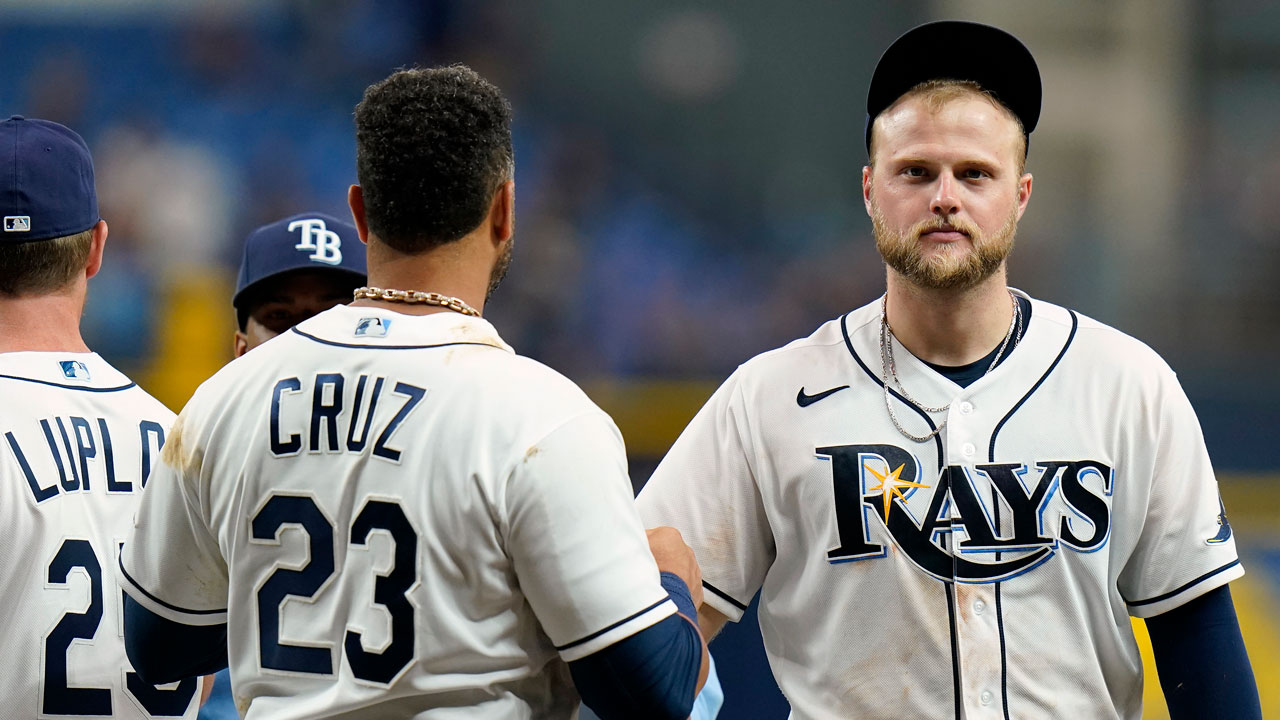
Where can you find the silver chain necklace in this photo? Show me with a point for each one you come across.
(889, 369)
(412, 297)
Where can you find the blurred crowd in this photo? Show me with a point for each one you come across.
(205, 124)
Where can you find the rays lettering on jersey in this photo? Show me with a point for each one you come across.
(974, 524)
(79, 450)
(328, 402)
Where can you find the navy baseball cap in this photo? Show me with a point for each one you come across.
(958, 50)
(306, 241)
(46, 181)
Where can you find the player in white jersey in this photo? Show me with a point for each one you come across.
(953, 499)
(390, 513)
(77, 439)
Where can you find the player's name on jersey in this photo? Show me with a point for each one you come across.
(343, 413)
(59, 455)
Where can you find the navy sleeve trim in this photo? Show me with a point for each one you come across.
(1184, 588)
(723, 595)
(138, 586)
(598, 633)
(81, 388)
(1075, 323)
(335, 343)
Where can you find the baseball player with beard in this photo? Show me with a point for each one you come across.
(953, 499)
(77, 440)
(386, 512)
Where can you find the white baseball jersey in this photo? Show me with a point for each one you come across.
(77, 439)
(397, 516)
(988, 573)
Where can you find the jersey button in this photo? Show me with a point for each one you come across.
(968, 449)
(966, 408)
(986, 697)
(979, 607)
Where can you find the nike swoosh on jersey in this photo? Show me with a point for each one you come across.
(804, 400)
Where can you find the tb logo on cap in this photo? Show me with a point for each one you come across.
(324, 244)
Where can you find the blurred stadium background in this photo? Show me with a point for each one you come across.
(687, 177)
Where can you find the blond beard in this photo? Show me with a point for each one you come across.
(951, 268)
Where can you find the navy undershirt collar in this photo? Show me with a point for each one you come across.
(965, 375)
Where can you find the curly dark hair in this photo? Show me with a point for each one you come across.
(432, 147)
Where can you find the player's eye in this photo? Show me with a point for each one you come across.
(974, 174)
(915, 171)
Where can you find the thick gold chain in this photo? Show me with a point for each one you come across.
(414, 297)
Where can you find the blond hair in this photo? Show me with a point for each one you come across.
(937, 93)
(43, 266)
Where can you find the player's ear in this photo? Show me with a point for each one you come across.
(866, 188)
(239, 345)
(1024, 193)
(355, 198)
(502, 213)
(96, 247)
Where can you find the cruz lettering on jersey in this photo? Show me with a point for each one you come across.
(328, 400)
(998, 533)
(78, 454)
(324, 244)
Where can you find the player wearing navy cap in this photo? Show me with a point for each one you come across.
(952, 500)
(292, 269)
(385, 512)
(77, 439)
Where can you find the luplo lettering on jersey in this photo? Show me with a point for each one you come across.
(880, 497)
(80, 453)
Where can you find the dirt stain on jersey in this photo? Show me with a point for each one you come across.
(176, 453)
(531, 453)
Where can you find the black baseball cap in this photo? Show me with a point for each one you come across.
(308, 240)
(46, 181)
(958, 50)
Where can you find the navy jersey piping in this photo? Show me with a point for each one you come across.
(955, 645)
(335, 343)
(724, 595)
(162, 603)
(951, 605)
(598, 633)
(1004, 660)
(1071, 336)
(991, 457)
(844, 330)
(1185, 587)
(81, 388)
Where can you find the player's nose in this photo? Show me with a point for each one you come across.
(945, 201)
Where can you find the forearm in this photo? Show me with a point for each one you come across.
(1201, 659)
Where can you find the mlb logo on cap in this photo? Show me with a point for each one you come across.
(75, 370)
(46, 189)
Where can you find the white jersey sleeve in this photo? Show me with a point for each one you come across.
(721, 514)
(1186, 547)
(570, 491)
(171, 537)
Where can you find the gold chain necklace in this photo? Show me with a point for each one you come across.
(889, 370)
(414, 297)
